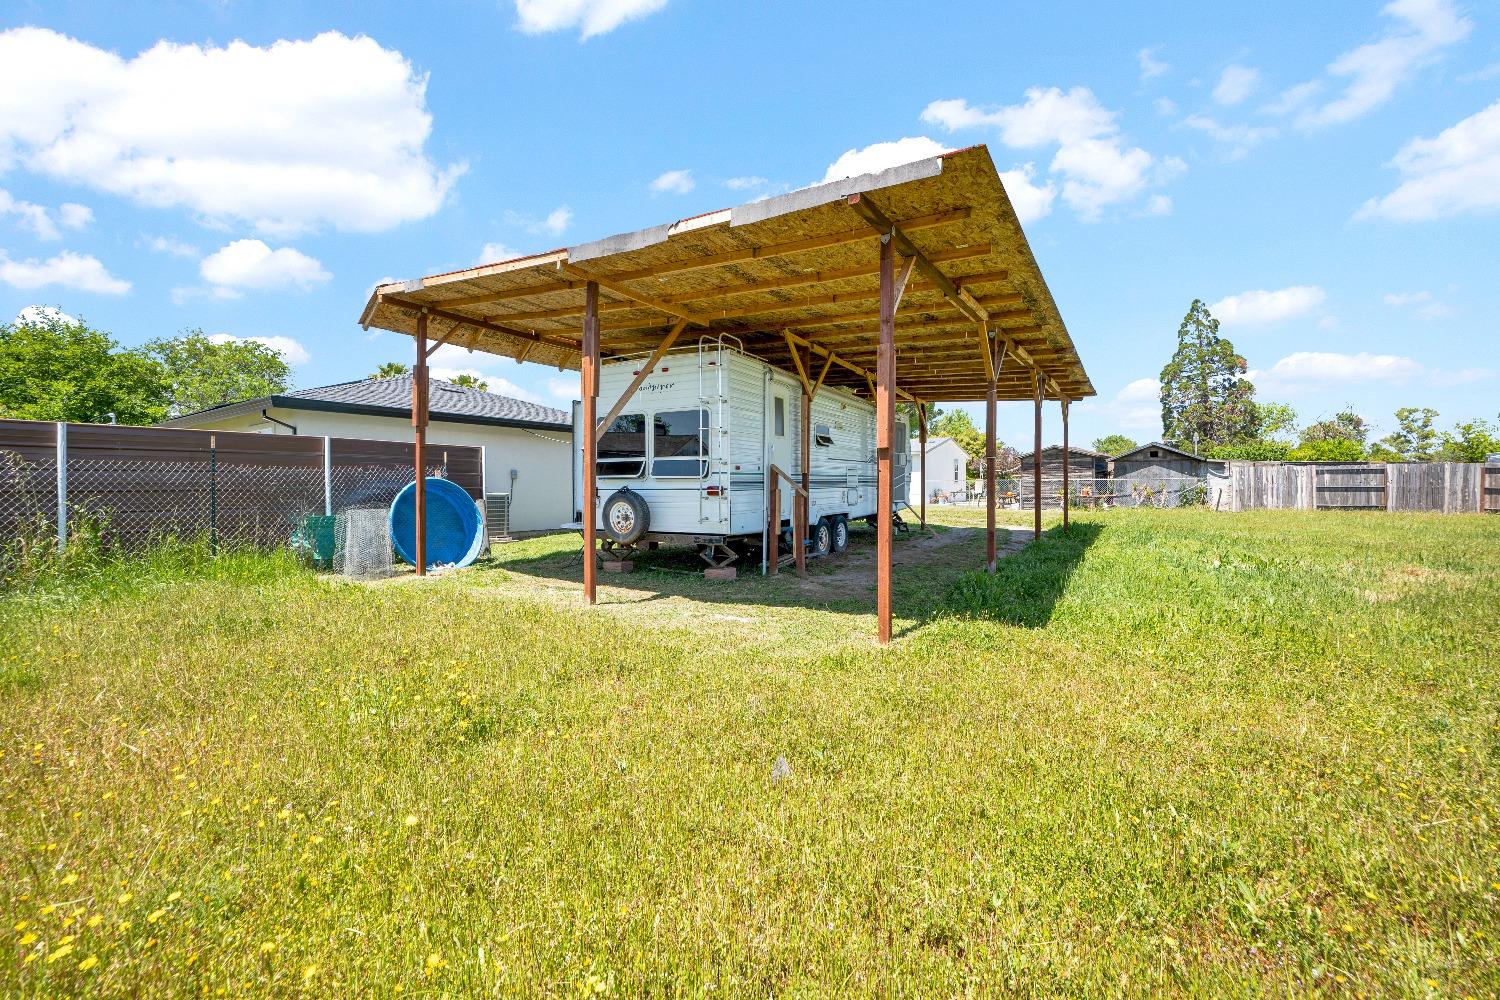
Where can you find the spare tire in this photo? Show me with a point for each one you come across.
(626, 516)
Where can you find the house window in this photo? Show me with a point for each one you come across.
(822, 435)
(678, 444)
(622, 448)
(1155, 454)
(958, 470)
(779, 420)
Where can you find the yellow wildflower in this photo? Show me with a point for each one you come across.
(88, 963)
(174, 897)
(155, 915)
(70, 878)
(62, 952)
(411, 819)
(95, 920)
(27, 939)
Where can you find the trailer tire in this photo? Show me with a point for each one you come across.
(840, 533)
(626, 516)
(822, 538)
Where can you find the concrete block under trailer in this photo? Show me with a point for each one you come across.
(686, 461)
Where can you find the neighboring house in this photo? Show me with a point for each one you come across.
(526, 445)
(1082, 464)
(947, 469)
(1156, 461)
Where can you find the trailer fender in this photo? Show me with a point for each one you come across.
(626, 516)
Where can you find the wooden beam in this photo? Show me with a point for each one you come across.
(797, 361)
(1065, 494)
(913, 224)
(589, 383)
(866, 209)
(1036, 455)
(642, 375)
(482, 324)
(987, 351)
(827, 364)
(885, 433)
(646, 300)
(989, 477)
(922, 469)
(445, 338)
(903, 275)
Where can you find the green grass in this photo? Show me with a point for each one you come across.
(1168, 752)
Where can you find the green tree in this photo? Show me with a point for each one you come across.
(1278, 421)
(1473, 441)
(470, 382)
(1114, 444)
(1413, 440)
(53, 368)
(200, 372)
(958, 425)
(1328, 450)
(908, 412)
(1346, 425)
(1205, 398)
(390, 369)
(1252, 451)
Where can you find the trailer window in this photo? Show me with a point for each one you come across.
(678, 444)
(622, 448)
(822, 435)
(780, 417)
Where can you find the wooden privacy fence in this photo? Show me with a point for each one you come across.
(145, 482)
(1446, 487)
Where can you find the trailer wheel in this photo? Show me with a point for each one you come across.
(822, 538)
(626, 516)
(840, 534)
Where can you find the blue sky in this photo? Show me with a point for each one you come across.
(1327, 176)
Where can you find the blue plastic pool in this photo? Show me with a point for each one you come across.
(455, 526)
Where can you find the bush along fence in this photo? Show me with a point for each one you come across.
(136, 484)
(1445, 487)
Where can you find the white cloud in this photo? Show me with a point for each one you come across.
(1399, 299)
(564, 390)
(73, 215)
(674, 182)
(173, 246)
(1235, 84)
(1372, 72)
(1165, 106)
(1137, 407)
(1250, 308)
(1032, 201)
(1094, 165)
(285, 138)
(1489, 72)
(882, 156)
(1239, 138)
(1312, 368)
(590, 17)
(494, 383)
(494, 253)
(250, 264)
(1455, 173)
(1158, 204)
(68, 269)
(745, 183)
(36, 315)
(30, 216)
(552, 224)
(291, 350)
(1150, 65)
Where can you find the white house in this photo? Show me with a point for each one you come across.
(526, 445)
(947, 469)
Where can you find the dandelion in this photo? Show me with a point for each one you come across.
(88, 963)
(309, 972)
(28, 939)
(62, 952)
(411, 819)
(155, 915)
(95, 920)
(266, 947)
(124, 897)
(174, 897)
(70, 878)
(434, 962)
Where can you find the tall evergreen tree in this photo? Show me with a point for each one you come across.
(1205, 398)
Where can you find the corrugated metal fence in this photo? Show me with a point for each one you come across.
(1446, 487)
(145, 482)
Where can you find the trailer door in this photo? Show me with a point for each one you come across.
(779, 434)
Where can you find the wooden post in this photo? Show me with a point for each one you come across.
(885, 433)
(419, 432)
(989, 473)
(590, 388)
(1066, 458)
(806, 463)
(922, 470)
(773, 515)
(1036, 454)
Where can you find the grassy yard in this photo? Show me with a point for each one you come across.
(1167, 752)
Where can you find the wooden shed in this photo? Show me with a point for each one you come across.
(1161, 461)
(1082, 463)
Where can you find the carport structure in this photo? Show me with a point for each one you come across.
(913, 284)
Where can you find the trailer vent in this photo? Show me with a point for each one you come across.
(822, 435)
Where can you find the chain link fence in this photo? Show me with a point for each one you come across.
(1087, 493)
(132, 486)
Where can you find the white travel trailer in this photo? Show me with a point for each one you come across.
(687, 460)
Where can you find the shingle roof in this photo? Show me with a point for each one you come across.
(442, 398)
(392, 397)
(1160, 446)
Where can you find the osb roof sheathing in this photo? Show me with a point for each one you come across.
(803, 263)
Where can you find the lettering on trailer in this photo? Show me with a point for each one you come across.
(649, 387)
